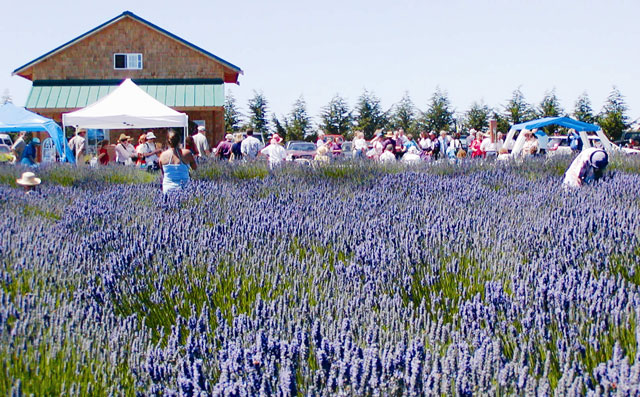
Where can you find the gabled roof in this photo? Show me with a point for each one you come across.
(127, 14)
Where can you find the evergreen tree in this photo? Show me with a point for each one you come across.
(517, 110)
(403, 115)
(298, 124)
(232, 116)
(477, 116)
(6, 97)
(278, 128)
(258, 112)
(336, 117)
(613, 118)
(583, 110)
(369, 114)
(439, 115)
(550, 105)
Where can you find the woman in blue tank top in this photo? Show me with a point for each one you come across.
(175, 164)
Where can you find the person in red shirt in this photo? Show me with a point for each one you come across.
(475, 146)
(103, 155)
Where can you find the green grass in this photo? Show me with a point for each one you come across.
(45, 370)
(33, 211)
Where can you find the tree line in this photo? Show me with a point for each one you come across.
(368, 115)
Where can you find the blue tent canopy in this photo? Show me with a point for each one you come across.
(562, 121)
(15, 118)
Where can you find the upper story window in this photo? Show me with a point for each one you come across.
(127, 61)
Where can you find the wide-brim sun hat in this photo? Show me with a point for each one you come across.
(123, 136)
(151, 135)
(28, 179)
(599, 159)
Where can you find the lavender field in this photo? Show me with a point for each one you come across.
(352, 279)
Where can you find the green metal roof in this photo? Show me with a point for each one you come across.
(79, 96)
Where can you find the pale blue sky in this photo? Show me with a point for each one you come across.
(475, 50)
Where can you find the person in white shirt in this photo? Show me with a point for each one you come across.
(77, 144)
(149, 151)
(412, 156)
(387, 156)
(250, 146)
(18, 146)
(320, 141)
(201, 142)
(123, 155)
(359, 146)
(425, 141)
(274, 152)
(589, 166)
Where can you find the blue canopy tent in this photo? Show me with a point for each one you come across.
(561, 121)
(15, 118)
(579, 126)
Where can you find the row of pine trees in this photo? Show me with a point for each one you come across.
(368, 115)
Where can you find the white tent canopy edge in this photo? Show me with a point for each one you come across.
(127, 107)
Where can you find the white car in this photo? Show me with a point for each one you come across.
(559, 145)
(5, 139)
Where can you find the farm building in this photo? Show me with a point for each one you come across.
(179, 74)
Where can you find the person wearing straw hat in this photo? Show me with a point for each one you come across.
(150, 152)
(28, 181)
(125, 153)
(29, 153)
(588, 167)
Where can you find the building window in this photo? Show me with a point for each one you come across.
(127, 61)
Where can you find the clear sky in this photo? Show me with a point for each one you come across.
(475, 50)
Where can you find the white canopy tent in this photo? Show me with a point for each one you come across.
(128, 106)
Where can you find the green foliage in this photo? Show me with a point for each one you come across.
(336, 117)
(477, 116)
(439, 115)
(582, 109)
(232, 116)
(278, 128)
(298, 124)
(258, 112)
(369, 114)
(613, 118)
(403, 115)
(550, 105)
(517, 110)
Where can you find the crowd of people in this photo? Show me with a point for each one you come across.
(175, 161)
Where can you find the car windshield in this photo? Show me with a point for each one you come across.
(303, 146)
(4, 149)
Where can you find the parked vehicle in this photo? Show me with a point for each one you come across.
(627, 136)
(5, 139)
(559, 145)
(300, 150)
